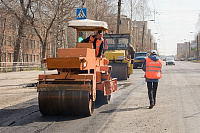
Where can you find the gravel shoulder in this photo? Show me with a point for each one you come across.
(13, 88)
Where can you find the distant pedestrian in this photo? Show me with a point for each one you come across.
(152, 67)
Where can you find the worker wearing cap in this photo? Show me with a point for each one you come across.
(98, 42)
(152, 67)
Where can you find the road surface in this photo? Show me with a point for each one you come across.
(177, 109)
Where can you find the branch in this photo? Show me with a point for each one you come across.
(11, 10)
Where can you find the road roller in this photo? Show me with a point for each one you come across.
(81, 78)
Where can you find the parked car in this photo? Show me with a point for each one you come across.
(170, 61)
(138, 62)
(182, 59)
(190, 58)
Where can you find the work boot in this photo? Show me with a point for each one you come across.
(151, 106)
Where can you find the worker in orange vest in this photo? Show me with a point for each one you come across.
(98, 42)
(152, 67)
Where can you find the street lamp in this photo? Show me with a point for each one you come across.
(190, 45)
(197, 38)
(197, 46)
(143, 32)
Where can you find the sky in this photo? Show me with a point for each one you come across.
(174, 21)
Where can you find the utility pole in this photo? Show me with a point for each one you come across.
(131, 15)
(118, 15)
(189, 49)
(154, 16)
(83, 2)
(197, 46)
(150, 44)
(143, 27)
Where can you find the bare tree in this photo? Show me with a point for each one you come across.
(48, 14)
(21, 10)
(3, 19)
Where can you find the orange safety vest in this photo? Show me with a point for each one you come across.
(153, 69)
(98, 44)
(91, 39)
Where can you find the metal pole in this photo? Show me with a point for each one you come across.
(131, 16)
(189, 48)
(118, 17)
(143, 26)
(150, 43)
(197, 46)
(83, 2)
(154, 16)
(143, 36)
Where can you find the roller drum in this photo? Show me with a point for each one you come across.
(119, 71)
(65, 102)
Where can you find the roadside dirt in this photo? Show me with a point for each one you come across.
(13, 88)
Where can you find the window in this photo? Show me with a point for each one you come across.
(9, 57)
(27, 43)
(26, 57)
(23, 56)
(37, 58)
(5, 40)
(33, 43)
(14, 41)
(33, 58)
(9, 41)
(3, 57)
(38, 44)
(30, 58)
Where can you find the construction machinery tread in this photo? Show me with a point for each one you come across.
(66, 102)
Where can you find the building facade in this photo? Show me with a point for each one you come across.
(30, 43)
(183, 50)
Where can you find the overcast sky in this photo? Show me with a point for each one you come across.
(174, 22)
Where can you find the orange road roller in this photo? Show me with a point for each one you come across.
(81, 80)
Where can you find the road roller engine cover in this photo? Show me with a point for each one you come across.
(81, 80)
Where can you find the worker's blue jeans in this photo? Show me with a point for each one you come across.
(152, 89)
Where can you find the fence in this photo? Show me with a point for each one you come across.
(20, 66)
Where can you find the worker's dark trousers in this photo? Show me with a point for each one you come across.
(152, 89)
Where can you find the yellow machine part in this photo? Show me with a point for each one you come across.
(130, 68)
(119, 56)
(115, 54)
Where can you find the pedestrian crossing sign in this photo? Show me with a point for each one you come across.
(81, 13)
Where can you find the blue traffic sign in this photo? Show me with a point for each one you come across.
(81, 13)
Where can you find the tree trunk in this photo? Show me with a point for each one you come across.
(17, 46)
(44, 45)
(2, 41)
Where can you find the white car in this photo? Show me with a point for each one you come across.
(170, 61)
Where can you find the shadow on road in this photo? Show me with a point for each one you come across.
(19, 115)
(125, 109)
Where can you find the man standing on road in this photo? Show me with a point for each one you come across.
(152, 67)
